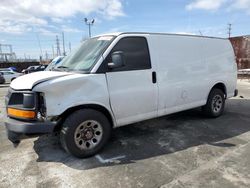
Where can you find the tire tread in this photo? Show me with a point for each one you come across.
(207, 110)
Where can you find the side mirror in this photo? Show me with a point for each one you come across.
(117, 60)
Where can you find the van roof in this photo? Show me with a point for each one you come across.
(173, 34)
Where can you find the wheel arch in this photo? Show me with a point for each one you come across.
(97, 107)
(221, 86)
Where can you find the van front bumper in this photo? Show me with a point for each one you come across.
(18, 130)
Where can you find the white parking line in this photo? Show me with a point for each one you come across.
(110, 160)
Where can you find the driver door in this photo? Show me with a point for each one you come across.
(132, 88)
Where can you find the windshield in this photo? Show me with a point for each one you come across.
(86, 55)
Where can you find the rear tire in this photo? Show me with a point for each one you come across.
(215, 103)
(85, 132)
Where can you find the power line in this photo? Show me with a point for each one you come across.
(28, 40)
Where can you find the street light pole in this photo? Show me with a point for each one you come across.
(89, 31)
(89, 23)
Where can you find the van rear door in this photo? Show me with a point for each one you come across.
(133, 89)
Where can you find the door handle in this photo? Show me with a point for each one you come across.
(154, 77)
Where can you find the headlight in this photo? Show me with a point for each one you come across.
(22, 105)
(22, 100)
(28, 100)
(26, 105)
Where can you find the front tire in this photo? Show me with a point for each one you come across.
(215, 103)
(85, 132)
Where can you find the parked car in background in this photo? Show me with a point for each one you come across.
(12, 69)
(2, 80)
(6, 69)
(40, 68)
(54, 62)
(34, 69)
(10, 75)
(30, 69)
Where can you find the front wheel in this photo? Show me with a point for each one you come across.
(215, 103)
(85, 132)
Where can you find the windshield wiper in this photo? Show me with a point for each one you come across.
(60, 68)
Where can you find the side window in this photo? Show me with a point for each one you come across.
(136, 54)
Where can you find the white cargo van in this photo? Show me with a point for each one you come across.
(118, 79)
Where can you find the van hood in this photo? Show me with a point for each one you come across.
(28, 81)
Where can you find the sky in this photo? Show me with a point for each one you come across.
(31, 26)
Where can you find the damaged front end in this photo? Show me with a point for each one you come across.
(26, 115)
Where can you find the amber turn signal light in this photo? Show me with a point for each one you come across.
(21, 113)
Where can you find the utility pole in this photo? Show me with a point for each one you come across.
(53, 51)
(58, 51)
(64, 53)
(229, 30)
(69, 46)
(46, 55)
(89, 23)
(200, 33)
(1, 58)
(39, 43)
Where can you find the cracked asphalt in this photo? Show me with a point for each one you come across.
(180, 150)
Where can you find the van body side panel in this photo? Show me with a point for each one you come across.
(74, 90)
(182, 72)
(220, 60)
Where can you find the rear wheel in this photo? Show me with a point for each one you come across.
(85, 132)
(215, 103)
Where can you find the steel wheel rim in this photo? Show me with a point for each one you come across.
(88, 135)
(217, 103)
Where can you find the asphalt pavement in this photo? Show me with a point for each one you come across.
(180, 150)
